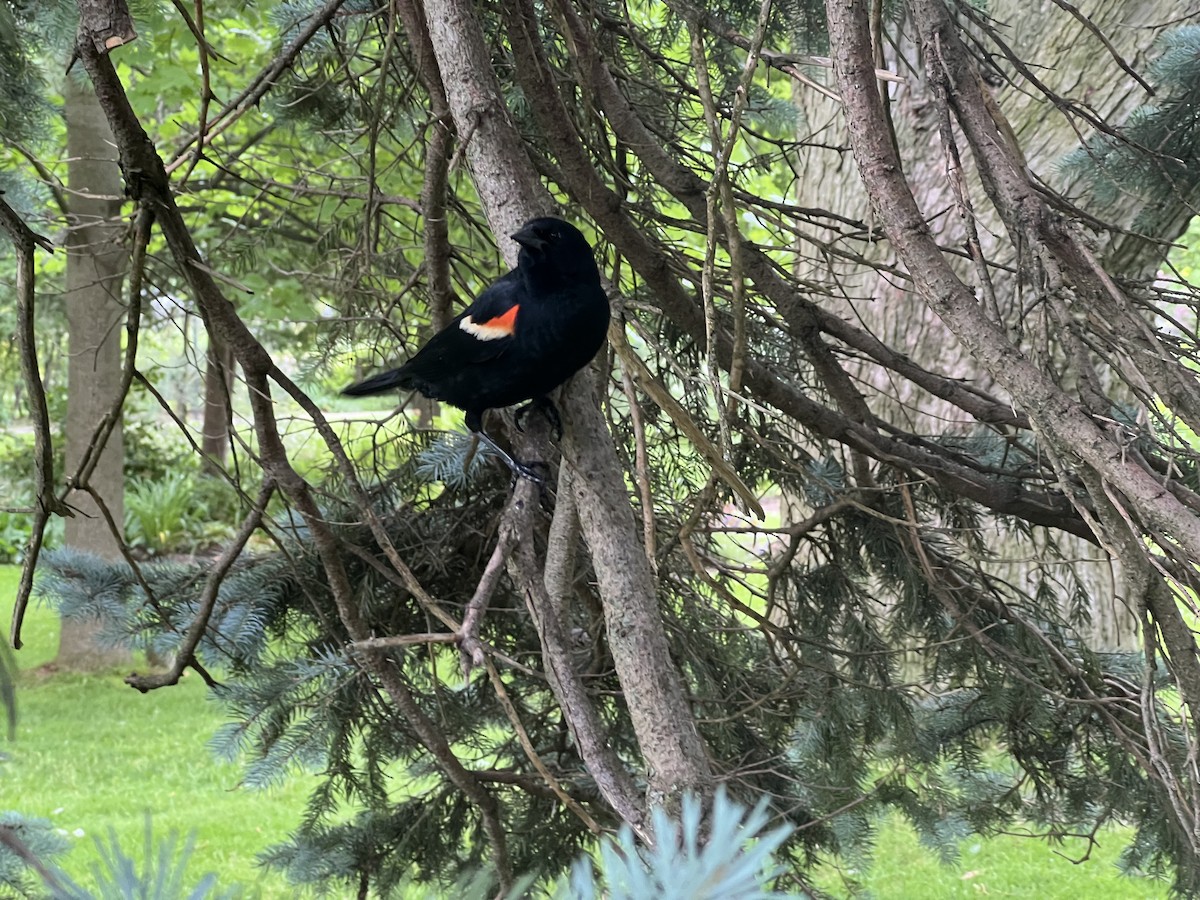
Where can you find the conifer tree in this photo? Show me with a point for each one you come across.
(453, 653)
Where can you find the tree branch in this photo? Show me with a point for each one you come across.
(1053, 414)
(579, 177)
(512, 193)
(146, 179)
(185, 655)
(24, 240)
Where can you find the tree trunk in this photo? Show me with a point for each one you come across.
(96, 264)
(511, 192)
(218, 387)
(1066, 50)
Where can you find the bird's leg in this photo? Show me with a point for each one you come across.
(546, 407)
(519, 469)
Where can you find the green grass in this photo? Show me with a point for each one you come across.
(1005, 866)
(91, 753)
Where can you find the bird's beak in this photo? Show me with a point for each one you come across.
(529, 240)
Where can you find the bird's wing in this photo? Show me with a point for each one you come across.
(492, 318)
(481, 333)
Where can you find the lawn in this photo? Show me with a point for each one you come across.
(904, 869)
(92, 754)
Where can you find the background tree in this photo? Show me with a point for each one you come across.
(96, 310)
(649, 629)
(1043, 122)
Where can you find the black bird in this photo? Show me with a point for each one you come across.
(526, 334)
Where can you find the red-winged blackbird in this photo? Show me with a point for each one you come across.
(526, 334)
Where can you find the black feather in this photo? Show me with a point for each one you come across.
(496, 360)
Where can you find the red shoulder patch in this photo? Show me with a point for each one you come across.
(500, 326)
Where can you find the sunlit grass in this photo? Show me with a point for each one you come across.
(93, 754)
(1005, 866)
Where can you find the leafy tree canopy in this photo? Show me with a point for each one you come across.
(900, 398)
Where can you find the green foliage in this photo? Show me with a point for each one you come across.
(846, 742)
(17, 879)
(169, 506)
(159, 515)
(162, 875)
(14, 535)
(728, 856)
(454, 460)
(137, 755)
(1118, 165)
(855, 669)
(24, 109)
(16, 487)
(149, 754)
(902, 868)
(153, 452)
(178, 512)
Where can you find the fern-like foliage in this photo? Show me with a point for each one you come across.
(729, 856)
(1153, 156)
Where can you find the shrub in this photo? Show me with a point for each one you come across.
(180, 512)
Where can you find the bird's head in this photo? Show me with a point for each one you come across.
(550, 244)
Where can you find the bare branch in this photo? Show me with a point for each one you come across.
(24, 240)
(469, 644)
(185, 655)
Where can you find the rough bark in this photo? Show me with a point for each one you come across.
(1045, 110)
(1066, 51)
(1051, 410)
(650, 682)
(96, 265)
(1131, 502)
(546, 586)
(218, 410)
(512, 193)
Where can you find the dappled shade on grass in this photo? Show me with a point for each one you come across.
(91, 753)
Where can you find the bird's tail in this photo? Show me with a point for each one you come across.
(377, 384)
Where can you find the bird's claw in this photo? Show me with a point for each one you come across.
(537, 472)
(547, 408)
(533, 472)
(518, 468)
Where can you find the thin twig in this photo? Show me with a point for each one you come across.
(108, 423)
(469, 645)
(186, 654)
(204, 51)
(538, 763)
(259, 85)
(1112, 51)
(404, 640)
(24, 240)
